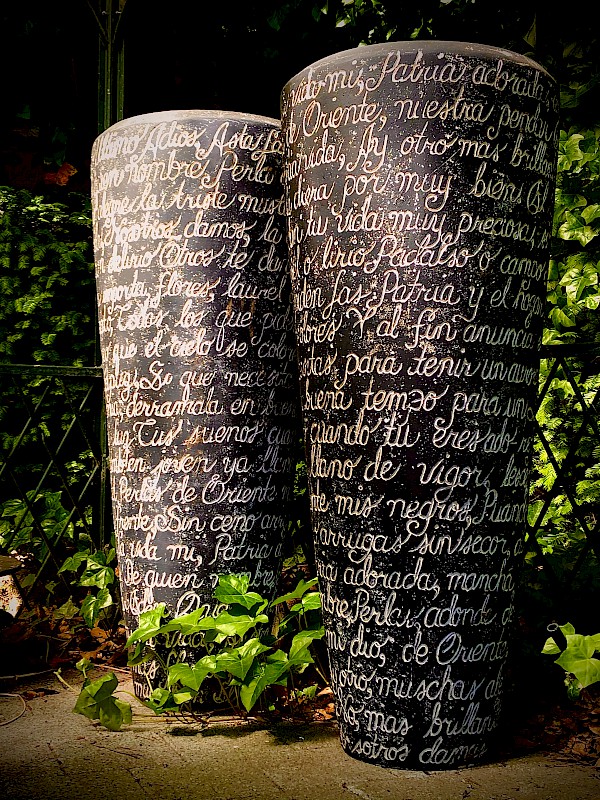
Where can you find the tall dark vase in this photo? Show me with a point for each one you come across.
(419, 194)
(198, 353)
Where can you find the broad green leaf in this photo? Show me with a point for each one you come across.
(192, 676)
(97, 560)
(559, 317)
(310, 691)
(304, 639)
(569, 150)
(591, 212)
(234, 589)
(231, 625)
(125, 710)
(238, 660)
(301, 589)
(575, 227)
(233, 584)
(554, 270)
(141, 654)
(149, 623)
(86, 705)
(68, 610)
(96, 702)
(566, 200)
(310, 602)
(110, 714)
(97, 576)
(182, 673)
(160, 695)
(579, 646)
(567, 629)
(188, 623)
(585, 669)
(93, 605)
(73, 563)
(183, 697)
(204, 666)
(550, 647)
(161, 701)
(261, 676)
(103, 687)
(301, 659)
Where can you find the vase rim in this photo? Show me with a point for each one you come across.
(193, 114)
(427, 46)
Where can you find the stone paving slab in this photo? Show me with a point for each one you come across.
(50, 753)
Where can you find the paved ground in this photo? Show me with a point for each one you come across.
(49, 753)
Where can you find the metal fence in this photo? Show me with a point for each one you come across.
(563, 531)
(54, 481)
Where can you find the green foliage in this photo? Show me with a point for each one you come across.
(47, 314)
(26, 526)
(573, 285)
(231, 648)
(577, 658)
(562, 511)
(96, 700)
(93, 572)
(242, 660)
(33, 527)
(510, 25)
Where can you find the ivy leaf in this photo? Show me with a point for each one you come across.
(97, 576)
(141, 655)
(234, 625)
(301, 589)
(161, 701)
(188, 623)
(73, 563)
(238, 660)
(310, 602)
(550, 647)
(183, 697)
(233, 589)
(149, 624)
(301, 659)
(569, 150)
(304, 639)
(93, 605)
(576, 659)
(567, 629)
(96, 702)
(575, 227)
(261, 676)
(86, 705)
(568, 200)
(192, 676)
(559, 317)
(113, 713)
(591, 212)
(183, 674)
(68, 610)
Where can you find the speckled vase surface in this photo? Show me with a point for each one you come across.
(419, 194)
(198, 354)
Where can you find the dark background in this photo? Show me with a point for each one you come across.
(234, 56)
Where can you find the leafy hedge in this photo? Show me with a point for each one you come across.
(48, 311)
